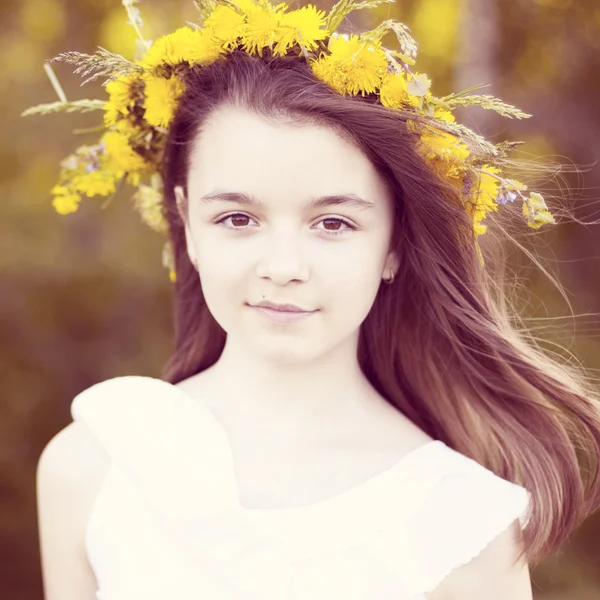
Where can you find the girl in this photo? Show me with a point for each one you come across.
(349, 411)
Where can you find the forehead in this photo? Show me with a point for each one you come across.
(274, 160)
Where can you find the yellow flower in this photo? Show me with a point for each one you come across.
(121, 157)
(94, 183)
(328, 71)
(353, 66)
(486, 193)
(302, 27)
(185, 45)
(488, 186)
(226, 25)
(162, 97)
(260, 29)
(441, 145)
(394, 92)
(444, 115)
(121, 100)
(478, 227)
(65, 203)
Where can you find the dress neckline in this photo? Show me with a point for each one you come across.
(377, 488)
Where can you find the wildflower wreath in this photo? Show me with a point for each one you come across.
(143, 95)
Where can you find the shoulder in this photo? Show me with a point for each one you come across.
(494, 574)
(465, 534)
(70, 472)
(72, 464)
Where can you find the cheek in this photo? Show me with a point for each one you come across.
(356, 272)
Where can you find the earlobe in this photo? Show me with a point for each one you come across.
(392, 263)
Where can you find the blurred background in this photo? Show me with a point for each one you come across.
(84, 297)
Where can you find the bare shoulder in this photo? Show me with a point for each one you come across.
(494, 574)
(73, 462)
(70, 472)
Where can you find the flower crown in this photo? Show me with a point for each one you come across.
(143, 96)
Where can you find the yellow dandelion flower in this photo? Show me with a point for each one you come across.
(365, 63)
(66, 200)
(328, 71)
(129, 129)
(185, 45)
(161, 99)
(260, 29)
(121, 100)
(121, 157)
(444, 115)
(486, 192)
(353, 64)
(94, 183)
(394, 92)
(478, 227)
(226, 25)
(488, 186)
(442, 145)
(302, 27)
(65, 204)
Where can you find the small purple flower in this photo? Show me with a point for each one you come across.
(505, 197)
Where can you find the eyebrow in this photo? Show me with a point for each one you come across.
(351, 200)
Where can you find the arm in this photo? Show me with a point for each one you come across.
(70, 472)
(492, 575)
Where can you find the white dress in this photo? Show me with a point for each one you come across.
(168, 523)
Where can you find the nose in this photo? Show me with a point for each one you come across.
(283, 259)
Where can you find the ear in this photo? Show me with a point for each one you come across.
(182, 208)
(181, 201)
(391, 264)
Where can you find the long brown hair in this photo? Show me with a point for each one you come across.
(441, 343)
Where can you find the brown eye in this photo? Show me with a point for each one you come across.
(342, 226)
(237, 220)
(335, 221)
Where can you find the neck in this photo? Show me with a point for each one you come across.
(290, 393)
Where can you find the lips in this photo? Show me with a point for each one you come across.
(283, 316)
(281, 307)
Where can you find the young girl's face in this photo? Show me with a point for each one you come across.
(328, 259)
